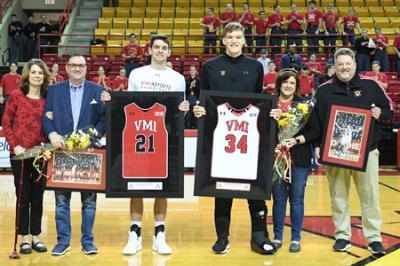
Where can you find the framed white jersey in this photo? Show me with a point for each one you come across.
(236, 142)
(235, 145)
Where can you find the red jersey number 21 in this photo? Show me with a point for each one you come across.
(144, 143)
(232, 146)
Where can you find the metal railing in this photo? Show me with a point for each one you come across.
(64, 18)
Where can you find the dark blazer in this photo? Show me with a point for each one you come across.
(58, 101)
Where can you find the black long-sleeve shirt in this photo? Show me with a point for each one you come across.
(43, 28)
(195, 90)
(240, 74)
(362, 49)
(15, 29)
(31, 30)
(359, 90)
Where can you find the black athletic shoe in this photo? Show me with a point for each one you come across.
(221, 246)
(376, 248)
(341, 245)
(262, 246)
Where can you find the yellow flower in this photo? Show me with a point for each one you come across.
(69, 144)
(85, 142)
(303, 108)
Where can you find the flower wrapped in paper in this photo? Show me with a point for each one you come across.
(289, 124)
(80, 139)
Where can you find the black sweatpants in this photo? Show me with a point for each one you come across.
(222, 216)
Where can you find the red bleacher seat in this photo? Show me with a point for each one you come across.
(391, 75)
(174, 58)
(64, 58)
(192, 57)
(97, 64)
(116, 66)
(50, 58)
(88, 57)
(103, 58)
(118, 58)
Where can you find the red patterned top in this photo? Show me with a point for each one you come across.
(22, 121)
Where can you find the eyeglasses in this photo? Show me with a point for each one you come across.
(76, 65)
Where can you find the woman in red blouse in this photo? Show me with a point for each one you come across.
(102, 80)
(23, 130)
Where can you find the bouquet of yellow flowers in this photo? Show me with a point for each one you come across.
(289, 124)
(79, 139)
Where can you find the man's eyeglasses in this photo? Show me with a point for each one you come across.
(77, 65)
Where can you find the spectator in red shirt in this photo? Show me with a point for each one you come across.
(380, 77)
(294, 21)
(306, 82)
(330, 23)
(247, 20)
(275, 22)
(382, 42)
(146, 49)
(396, 47)
(315, 67)
(54, 74)
(261, 31)
(228, 16)
(102, 79)
(210, 23)
(313, 23)
(9, 82)
(22, 127)
(120, 83)
(348, 24)
(132, 54)
(270, 79)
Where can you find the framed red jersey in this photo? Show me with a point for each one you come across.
(145, 142)
(145, 145)
(235, 146)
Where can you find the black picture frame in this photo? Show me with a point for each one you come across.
(172, 185)
(258, 189)
(347, 136)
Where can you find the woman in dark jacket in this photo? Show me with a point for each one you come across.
(288, 91)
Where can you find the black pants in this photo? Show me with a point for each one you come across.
(210, 43)
(330, 41)
(249, 40)
(222, 216)
(275, 41)
(30, 219)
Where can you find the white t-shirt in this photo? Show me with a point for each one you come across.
(147, 78)
(264, 63)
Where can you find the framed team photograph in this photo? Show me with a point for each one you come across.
(145, 145)
(235, 146)
(77, 170)
(347, 137)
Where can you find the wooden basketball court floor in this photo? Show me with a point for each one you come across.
(190, 231)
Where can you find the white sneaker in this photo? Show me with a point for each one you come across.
(134, 244)
(160, 245)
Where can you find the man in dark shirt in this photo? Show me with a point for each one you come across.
(291, 59)
(234, 71)
(30, 32)
(43, 27)
(15, 31)
(349, 88)
(363, 59)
